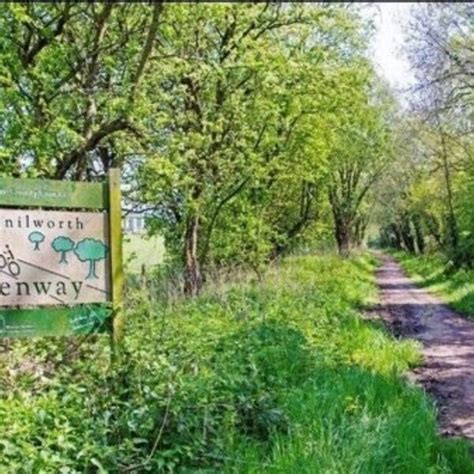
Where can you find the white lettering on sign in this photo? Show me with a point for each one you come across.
(53, 258)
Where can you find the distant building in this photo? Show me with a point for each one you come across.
(134, 214)
(134, 223)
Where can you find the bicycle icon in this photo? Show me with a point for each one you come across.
(8, 262)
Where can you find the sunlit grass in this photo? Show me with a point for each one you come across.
(282, 374)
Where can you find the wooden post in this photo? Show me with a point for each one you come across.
(116, 267)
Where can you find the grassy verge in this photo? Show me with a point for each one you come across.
(434, 273)
(280, 376)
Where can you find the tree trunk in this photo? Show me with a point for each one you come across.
(343, 237)
(451, 222)
(433, 228)
(342, 225)
(359, 229)
(406, 234)
(397, 237)
(192, 268)
(419, 237)
(451, 233)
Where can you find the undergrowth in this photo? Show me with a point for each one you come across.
(279, 376)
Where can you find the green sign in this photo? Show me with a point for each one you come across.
(60, 257)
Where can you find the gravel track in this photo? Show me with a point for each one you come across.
(448, 345)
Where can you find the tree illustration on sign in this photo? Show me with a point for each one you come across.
(91, 250)
(36, 238)
(63, 245)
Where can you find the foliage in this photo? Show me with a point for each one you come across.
(426, 205)
(231, 122)
(359, 158)
(276, 376)
(439, 43)
(255, 105)
(246, 131)
(71, 95)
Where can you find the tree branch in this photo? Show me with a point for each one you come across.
(30, 54)
(90, 144)
(157, 10)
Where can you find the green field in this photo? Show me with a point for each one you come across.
(140, 250)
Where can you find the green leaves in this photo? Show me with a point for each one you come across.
(248, 99)
(70, 72)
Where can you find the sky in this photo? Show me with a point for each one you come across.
(391, 63)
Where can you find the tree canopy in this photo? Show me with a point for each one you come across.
(246, 131)
(428, 191)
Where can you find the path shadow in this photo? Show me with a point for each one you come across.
(396, 286)
(408, 319)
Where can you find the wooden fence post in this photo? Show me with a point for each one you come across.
(116, 259)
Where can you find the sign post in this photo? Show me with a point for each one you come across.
(116, 258)
(60, 258)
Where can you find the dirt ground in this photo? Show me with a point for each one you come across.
(448, 345)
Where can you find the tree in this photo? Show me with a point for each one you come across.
(232, 122)
(245, 102)
(36, 238)
(63, 245)
(359, 157)
(422, 198)
(71, 85)
(439, 44)
(435, 210)
(92, 251)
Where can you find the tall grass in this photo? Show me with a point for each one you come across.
(283, 375)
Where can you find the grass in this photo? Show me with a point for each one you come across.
(141, 250)
(279, 376)
(434, 272)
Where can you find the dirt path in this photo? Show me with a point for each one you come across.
(448, 345)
